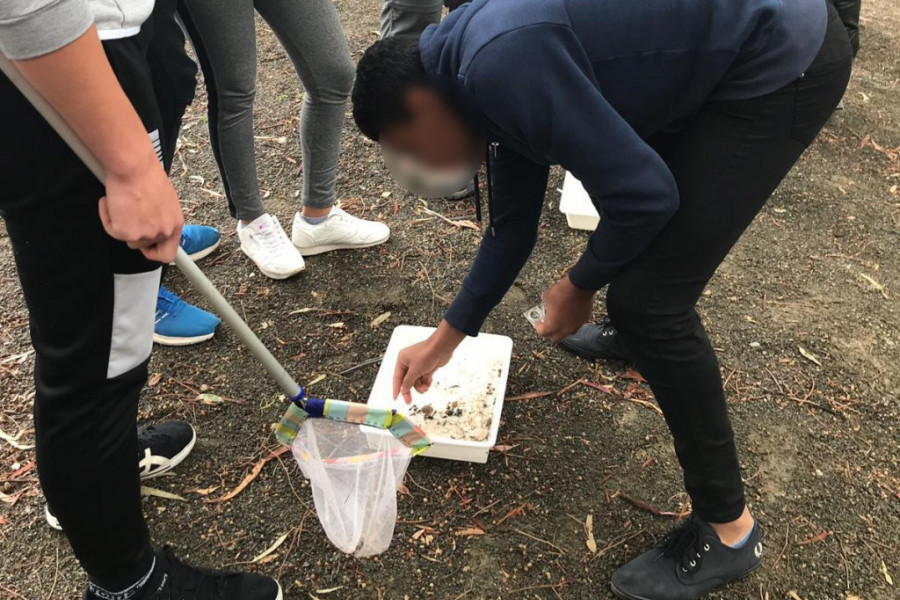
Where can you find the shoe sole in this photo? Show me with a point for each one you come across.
(203, 253)
(164, 340)
(53, 522)
(331, 248)
(627, 596)
(280, 595)
(271, 274)
(175, 460)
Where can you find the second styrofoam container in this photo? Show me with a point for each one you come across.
(577, 206)
(477, 361)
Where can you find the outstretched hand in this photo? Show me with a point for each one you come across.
(416, 364)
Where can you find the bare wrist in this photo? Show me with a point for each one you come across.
(446, 338)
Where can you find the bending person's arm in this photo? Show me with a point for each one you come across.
(140, 206)
(515, 211)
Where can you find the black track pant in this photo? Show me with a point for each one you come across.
(91, 303)
(727, 162)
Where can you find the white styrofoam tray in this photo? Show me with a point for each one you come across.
(487, 349)
(576, 204)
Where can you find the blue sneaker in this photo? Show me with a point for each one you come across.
(179, 323)
(199, 241)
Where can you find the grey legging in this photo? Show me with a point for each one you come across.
(223, 33)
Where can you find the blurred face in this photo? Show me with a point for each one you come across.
(435, 135)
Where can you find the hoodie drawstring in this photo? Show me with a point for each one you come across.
(490, 190)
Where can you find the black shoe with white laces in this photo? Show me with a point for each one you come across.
(172, 579)
(596, 340)
(161, 448)
(690, 562)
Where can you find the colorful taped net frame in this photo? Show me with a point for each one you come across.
(303, 407)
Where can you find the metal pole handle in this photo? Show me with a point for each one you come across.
(182, 261)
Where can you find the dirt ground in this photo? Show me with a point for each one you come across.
(804, 314)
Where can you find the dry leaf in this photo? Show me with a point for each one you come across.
(634, 375)
(504, 447)
(210, 399)
(250, 476)
(21, 471)
(816, 538)
(7, 499)
(470, 531)
(794, 595)
(329, 590)
(887, 576)
(151, 491)
(380, 319)
(875, 285)
(271, 548)
(589, 528)
(14, 440)
(316, 380)
(809, 355)
(268, 559)
(337, 325)
(153, 379)
(4, 521)
(204, 491)
(529, 396)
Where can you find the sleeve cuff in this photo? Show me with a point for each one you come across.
(45, 30)
(467, 313)
(587, 274)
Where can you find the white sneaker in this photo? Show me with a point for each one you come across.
(338, 231)
(266, 243)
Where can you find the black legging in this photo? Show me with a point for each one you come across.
(727, 162)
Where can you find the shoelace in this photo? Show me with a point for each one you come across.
(190, 583)
(167, 304)
(685, 544)
(272, 238)
(606, 327)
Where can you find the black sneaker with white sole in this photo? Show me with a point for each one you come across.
(596, 340)
(172, 579)
(688, 563)
(161, 448)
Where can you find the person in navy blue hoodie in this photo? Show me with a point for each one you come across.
(680, 118)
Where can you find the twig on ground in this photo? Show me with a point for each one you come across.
(365, 363)
(537, 539)
(644, 506)
(546, 586)
(530, 396)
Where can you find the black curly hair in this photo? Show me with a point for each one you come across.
(386, 71)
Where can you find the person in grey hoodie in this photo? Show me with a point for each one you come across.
(88, 257)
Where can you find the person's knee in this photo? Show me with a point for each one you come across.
(236, 100)
(336, 87)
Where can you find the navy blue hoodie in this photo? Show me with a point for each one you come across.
(582, 84)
